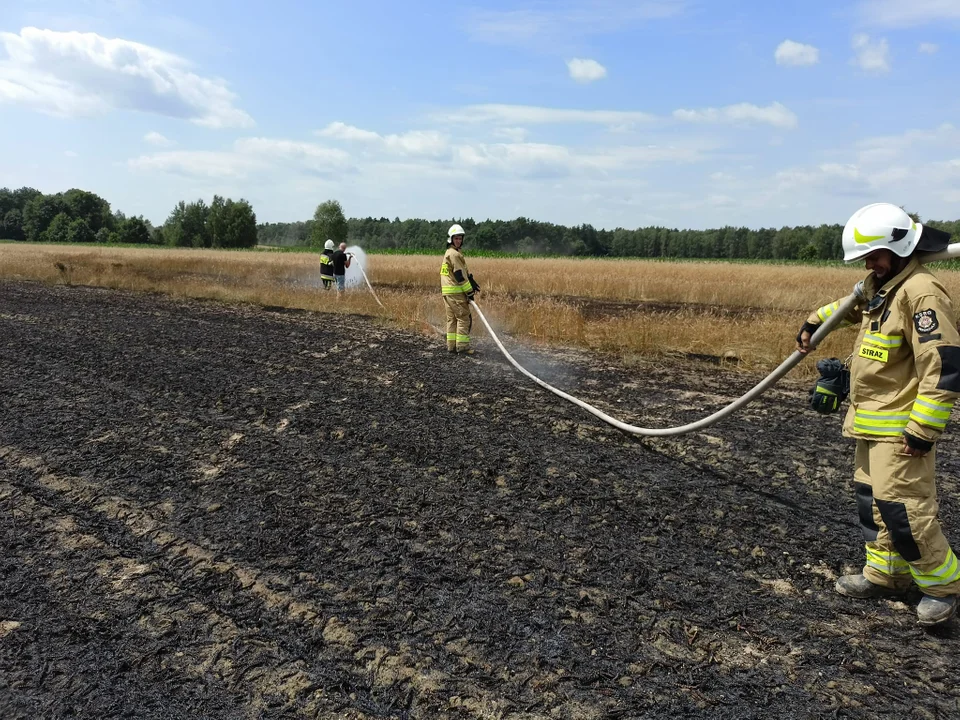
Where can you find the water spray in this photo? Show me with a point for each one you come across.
(847, 305)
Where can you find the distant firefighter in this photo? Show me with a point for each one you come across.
(326, 264)
(903, 379)
(458, 288)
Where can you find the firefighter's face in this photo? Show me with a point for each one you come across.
(882, 263)
(457, 241)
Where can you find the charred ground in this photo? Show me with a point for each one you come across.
(230, 512)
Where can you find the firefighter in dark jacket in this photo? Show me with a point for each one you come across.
(904, 378)
(326, 264)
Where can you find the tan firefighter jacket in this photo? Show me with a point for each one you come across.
(905, 368)
(454, 276)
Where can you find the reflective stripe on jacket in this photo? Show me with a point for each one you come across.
(454, 276)
(326, 265)
(905, 368)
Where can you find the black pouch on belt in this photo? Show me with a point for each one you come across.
(832, 388)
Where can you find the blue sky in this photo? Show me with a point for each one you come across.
(685, 113)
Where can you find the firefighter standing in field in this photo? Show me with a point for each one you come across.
(458, 288)
(903, 380)
(326, 265)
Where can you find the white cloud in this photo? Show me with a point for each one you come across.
(155, 138)
(342, 131)
(513, 134)
(900, 13)
(249, 156)
(565, 21)
(721, 200)
(197, 163)
(415, 142)
(70, 153)
(793, 53)
(584, 70)
(887, 149)
(73, 74)
(533, 115)
(774, 114)
(871, 56)
(928, 48)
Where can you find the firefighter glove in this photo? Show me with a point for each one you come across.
(473, 283)
(832, 388)
(807, 327)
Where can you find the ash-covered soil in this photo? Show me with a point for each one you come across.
(231, 512)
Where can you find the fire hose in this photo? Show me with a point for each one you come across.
(848, 304)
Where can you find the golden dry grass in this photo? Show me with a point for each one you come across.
(746, 313)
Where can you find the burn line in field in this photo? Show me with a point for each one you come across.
(230, 654)
(259, 584)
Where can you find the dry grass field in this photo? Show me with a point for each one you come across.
(744, 315)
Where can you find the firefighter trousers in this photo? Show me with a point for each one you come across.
(459, 322)
(897, 505)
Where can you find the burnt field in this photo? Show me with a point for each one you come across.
(213, 511)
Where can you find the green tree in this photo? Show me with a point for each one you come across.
(217, 222)
(134, 231)
(105, 236)
(89, 206)
(58, 230)
(13, 225)
(329, 223)
(240, 225)
(79, 232)
(39, 213)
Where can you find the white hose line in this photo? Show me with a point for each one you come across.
(369, 285)
(952, 251)
(845, 307)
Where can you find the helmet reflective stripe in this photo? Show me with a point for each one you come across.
(880, 226)
(860, 239)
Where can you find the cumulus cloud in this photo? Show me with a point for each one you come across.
(871, 56)
(793, 53)
(84, 74)
(415, 142)
(534, 115)
(249, 156)
(584, 70)
(774, 114)
(897, 13)
(928, 48)
(155, 138)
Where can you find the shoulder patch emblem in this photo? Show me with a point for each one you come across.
(926, 321)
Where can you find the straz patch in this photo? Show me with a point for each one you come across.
(926, 321)
(874, 353)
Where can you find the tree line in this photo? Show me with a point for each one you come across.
(80, 216)
(804, 242)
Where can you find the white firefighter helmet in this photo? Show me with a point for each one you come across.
(880, 226)
(455, 229)
(328, 245)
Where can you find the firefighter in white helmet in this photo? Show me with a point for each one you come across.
(326, 265)
(904, 377)
(458, 288)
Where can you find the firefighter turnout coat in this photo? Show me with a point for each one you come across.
(904, 380)
(456, 289)
(326, 266)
